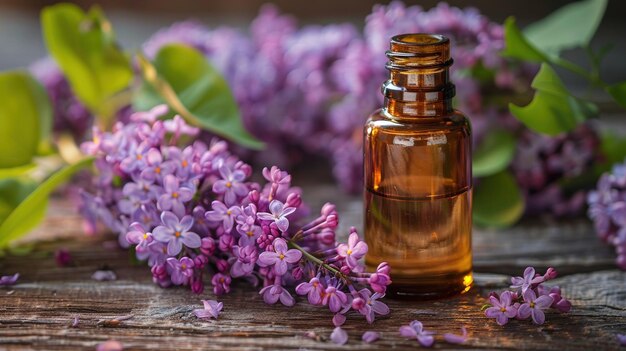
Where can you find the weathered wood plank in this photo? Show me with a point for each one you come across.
(36, 313)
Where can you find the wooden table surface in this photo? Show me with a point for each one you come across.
(37, 312)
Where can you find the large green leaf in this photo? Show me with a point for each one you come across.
(182, 77)
(553, 109)
(570, 26)
(12, 192)
(32, 209)
(494, 153)
(25, 118)
(498, 201)
(517, 46)
(83, 44)
(618, 92)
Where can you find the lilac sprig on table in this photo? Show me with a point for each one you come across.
(189, 210)
(529, 299)
(607, 209)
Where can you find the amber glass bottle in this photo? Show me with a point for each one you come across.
(418, 174)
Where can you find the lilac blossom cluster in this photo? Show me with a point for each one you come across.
(191, 211)
(607, 209)
(530, 298)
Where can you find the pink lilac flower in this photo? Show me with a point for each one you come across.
(280, 257)
(370, 336)
(339, 336)
(176, 232)
(502, 309)
(455, 338)
(534, 306)
(6, 280)
(559, 303)
(278, 214)
(221, 213)
(272, 293)
(415, 330)
(353, 251)
(175, 196)
(211, 309)
(231, 185)
(181, 270)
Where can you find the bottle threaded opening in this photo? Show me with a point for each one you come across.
(419, 50)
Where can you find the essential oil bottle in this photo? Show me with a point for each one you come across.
(418, 174)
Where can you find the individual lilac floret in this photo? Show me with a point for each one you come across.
(221, 213)
(272, 293)
(280, 257)
(231, 184)
(175, 196)
(353, 251)
(176, 233)
(530, 280)
(139, 235)
(415, 330)
(502, 309)
(339, 336)
(177, 126)
(534, 306)
(246, 259)
(211, 309)
(313, 289)
(6, 280)
(371, 306)
(370, 336)
(334, 298)
(278, 215)
(455, 338)
(157, 168)
(181, 270)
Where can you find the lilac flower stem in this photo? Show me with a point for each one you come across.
(317, 261)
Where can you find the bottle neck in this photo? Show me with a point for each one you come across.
(419, 77)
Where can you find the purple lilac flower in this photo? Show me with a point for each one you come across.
(353, 251)
(6, 280)
(174, 196)
(278, 214)
(246, 258)
(334, 298)
(181, 270)
(339, 336)
(280, 257)
(272, 293)
(415, 330)
(178, 127)
(370, 336)
(313, 289)
(221, 283)
(104, 275)
(528, 281)
(372, 306)
(176, 232)
(211, 309)
(62, 257)
(139, 235)
(455, 338)
(621, 339)
(534, 306)
(221, 213)
(559, 303)
(502, 309)
(231, 185)
(156, 168)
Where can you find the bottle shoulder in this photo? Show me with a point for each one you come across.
(454, 121)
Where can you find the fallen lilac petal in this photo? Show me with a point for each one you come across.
(621, 339)
(103, 276)
(455, 338)
(339, 319)
(312, 335)
(339, 336)
(370, 336)
(6, 280)
(110, 345)
(75, 322)
(211, 309)
(62, 257)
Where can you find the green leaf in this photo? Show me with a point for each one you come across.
(553, 109)
(83, 44)
(494, 153)
(613, 147)
(517, 46)
(182, 77)
(32, 209)
(618, 92)
(12, 192)
(25, 118)
(570, 26)
(498, 201)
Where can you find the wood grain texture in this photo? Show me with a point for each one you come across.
(37, 313)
